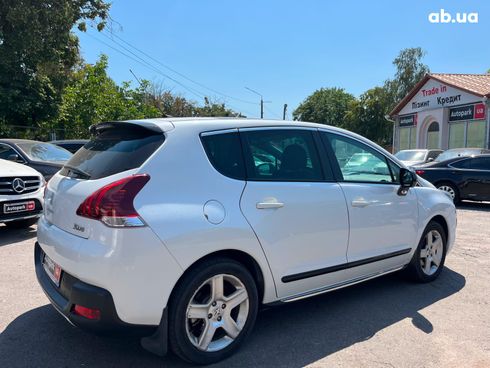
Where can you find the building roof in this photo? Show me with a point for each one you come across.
(477, 84)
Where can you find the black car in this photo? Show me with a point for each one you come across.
(461, 177)
(46, 158)
(72, 145)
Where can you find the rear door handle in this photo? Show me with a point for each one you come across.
(269, 204)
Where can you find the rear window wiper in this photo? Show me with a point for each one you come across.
(77, 171)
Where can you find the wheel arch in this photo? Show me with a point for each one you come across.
(237, 255)
(441, 221)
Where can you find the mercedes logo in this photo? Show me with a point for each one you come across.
(18, 185)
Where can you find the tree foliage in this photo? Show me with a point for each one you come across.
(325, 106)
(409, 71)
(37, 53)
(366, 116)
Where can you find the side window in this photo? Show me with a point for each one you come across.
(282, 155)
(462, 164)
(360, 163)
(6, 151)
(225, 153)
(433, 154)
(480, 163)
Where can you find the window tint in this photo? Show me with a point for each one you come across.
(6, 151)
(461, 164)
(225, 153)
(480, 163)
(282, 155)
(115, 148)
(360, 163)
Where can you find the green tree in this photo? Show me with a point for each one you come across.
(366, 116)
(93, 97)
(325, 106)
(409, 71)
(37, 53)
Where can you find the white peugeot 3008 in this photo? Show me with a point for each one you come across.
(182, 228)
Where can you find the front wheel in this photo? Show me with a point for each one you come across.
(213, 309)
(428, 259)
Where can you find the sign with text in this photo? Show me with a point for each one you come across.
(408, 120)
(434, 95)
(469, 112)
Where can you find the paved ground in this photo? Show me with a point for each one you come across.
(386, 322)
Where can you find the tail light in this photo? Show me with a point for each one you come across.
(113, 203)
(420, 172)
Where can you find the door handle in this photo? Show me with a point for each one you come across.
(269, 204)
(361, 203)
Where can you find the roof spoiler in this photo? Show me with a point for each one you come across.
(94, 129)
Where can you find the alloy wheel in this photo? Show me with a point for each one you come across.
(448, 189)
(432, 252)
(217, 312)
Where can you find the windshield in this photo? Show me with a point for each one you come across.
(457, 153)
(40, 151)
(411, 155)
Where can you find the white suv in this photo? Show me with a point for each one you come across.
(21, 195)
(182, 228)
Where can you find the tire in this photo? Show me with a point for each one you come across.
(426, 269)
(228, 327)
(451, 189)
(21, 224)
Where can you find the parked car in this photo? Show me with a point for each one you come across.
(461, 177)
(41, 156)
(174, 227)
(72, 145)
(459, 152)
(21, 194)
(417, 156)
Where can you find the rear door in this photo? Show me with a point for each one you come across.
(116, 151)
(478, 178)
(296, 209)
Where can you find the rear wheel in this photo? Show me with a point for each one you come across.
(428, 260)
(21, 224)
(450, 189)
(212, 311)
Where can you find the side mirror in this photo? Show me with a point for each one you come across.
(15, 157)
(430, 159)
(408, 179)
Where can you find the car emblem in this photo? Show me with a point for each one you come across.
(18, 185)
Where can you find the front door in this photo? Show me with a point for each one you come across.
(383, 223)
(297, 211)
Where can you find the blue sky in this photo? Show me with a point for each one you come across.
(285, 49)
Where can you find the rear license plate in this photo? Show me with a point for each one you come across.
(19, 207)
(52, 269)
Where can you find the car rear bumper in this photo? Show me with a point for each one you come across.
(73, 291)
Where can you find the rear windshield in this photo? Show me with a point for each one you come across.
(117, 148)
(40, 151)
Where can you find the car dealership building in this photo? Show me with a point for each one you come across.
(444, 111)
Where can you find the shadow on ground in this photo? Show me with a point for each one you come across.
(9, 236)
(474, 206)
(292, 335)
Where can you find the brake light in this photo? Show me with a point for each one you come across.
(113, 203)
(420, 172)
(89, 313)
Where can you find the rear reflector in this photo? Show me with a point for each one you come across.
(89, 313)
(420, 172)
(113, 203)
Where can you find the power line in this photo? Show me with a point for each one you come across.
(173, 70)
(148, 65)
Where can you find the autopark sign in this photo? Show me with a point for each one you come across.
(408, 120)
(469, 112)
(433, 95)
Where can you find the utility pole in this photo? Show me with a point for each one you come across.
(261, 101)
(284, 110)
